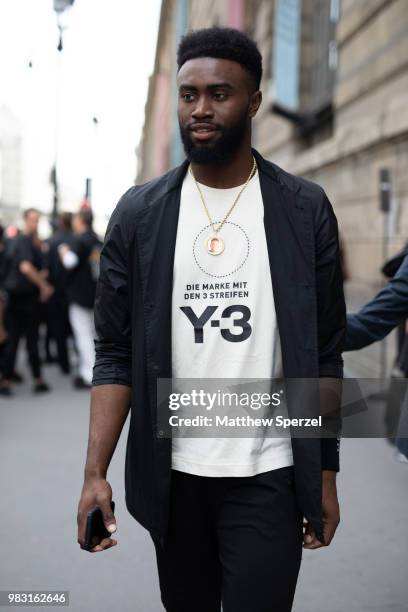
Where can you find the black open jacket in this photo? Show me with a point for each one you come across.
(133, 321)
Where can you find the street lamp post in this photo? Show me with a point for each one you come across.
(59, 7)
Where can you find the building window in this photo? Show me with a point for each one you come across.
(286, 54)
(304, 62)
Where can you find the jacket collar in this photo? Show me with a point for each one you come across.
(177, 175)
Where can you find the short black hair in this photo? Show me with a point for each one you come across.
(65, 221)
(223, 43)
(86, 216)
(28, 212)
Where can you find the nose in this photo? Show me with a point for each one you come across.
(202, 108)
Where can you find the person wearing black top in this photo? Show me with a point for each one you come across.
(230, 540)
(374, 321)
(57, 307)
(26, 286)
(81, 259)
(3, 333)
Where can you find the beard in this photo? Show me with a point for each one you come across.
(221, 150)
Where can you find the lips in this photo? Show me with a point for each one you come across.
(203, 131)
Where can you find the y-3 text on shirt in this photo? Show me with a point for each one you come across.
(198, 322)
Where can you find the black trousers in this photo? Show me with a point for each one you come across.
(235, 540)
(58, 327)
(22, 320)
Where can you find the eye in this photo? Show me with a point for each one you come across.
(220, 96)
(187, 97)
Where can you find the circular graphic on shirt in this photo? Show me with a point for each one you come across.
(233, 256)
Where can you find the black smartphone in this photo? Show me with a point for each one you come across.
(95, 527)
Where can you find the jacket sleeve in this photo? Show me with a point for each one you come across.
(379, 317)
(331, 314)
(113, 344)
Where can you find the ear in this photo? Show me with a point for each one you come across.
(254, 103)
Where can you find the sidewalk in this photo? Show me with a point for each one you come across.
(42, 451)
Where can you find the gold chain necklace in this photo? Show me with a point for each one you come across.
(214, 244)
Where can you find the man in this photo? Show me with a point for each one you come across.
(387, 310)
(225, 514)
(26, 286)
(81, 258)
(57, 307)
(3, 297)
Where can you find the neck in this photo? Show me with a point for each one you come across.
(231, 173)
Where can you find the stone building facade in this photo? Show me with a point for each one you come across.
(335, 110)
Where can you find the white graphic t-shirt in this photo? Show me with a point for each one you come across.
(224, 320)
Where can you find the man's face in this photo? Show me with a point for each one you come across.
(77, 225)
(216, 101)
(31, 223)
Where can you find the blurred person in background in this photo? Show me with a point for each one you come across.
(396, 391)
(57, 317)
(80, 257)
(26, 286)
(387, 310)
(44, 337)
(6, 240)
(3, 296)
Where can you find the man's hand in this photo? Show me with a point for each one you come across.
(96, 492)
(331, 513)
(46, 291)
(110, 406)
(63, 248)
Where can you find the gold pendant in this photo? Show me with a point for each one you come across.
(214, 245)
